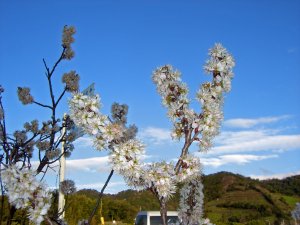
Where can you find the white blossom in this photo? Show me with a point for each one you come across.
(190, 169)
(126, 152)
(25, 192)
(210, 95)
(161, 177)
(191, 201)
(296, 212)
(125, 159)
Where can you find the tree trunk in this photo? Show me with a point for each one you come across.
(11, 215)
(163, 211)
(2, 208)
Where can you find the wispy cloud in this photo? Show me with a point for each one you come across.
(92, 165)
(99, 185)
(248, 123)
(273, 176)
(155, 135)
(261, 142)
(239, 159)
(84, 142)
(233, 137)
(95, 164)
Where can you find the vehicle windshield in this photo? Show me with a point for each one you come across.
(141, 220)
(171, 220)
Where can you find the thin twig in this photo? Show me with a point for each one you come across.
(60, 97)
(47, 68)
(40, 104)
(58, 61)
(100, 197)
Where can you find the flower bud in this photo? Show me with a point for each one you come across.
(24, 95)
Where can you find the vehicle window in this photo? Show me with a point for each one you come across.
(171, 220)
(141, 220)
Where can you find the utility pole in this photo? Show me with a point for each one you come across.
(62, 166)
(62, 162)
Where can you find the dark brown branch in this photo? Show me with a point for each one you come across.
(60, 97)
(45, 160)
(100, 197)
(3, 128)
(30, 139)
(58, 61)
(47, 68)
(40, 104)
(185, 149)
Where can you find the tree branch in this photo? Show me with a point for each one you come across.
(60, 97)
(40, 104)
(184, 150)
(100, 197)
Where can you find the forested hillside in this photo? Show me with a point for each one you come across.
(229, 199)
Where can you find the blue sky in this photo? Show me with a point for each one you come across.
(119, 44)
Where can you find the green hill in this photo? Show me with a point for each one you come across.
(229, 199)
(234, 199)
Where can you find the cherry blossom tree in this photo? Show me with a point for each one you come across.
(162, 178)
(114, 135)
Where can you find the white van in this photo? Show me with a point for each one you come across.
(153, 218)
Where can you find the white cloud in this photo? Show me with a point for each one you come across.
(83, 142)
(95, 164)
(239, 159)
(112, 187)
(277, 176)
(248, 123)
(98, 185)
(261, 142)
(155, 135)
(232, 137)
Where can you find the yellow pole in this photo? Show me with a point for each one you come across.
(62, 166)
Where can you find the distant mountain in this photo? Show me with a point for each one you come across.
(287, 186)
(234, 199)
(229, 199)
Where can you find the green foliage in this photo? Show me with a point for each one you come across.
(288, 186)
(290, 200)
(229, 199)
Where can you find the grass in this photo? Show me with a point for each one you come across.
(290, 200)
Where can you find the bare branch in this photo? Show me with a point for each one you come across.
(40, 104)
(100, 197)
(60, 97)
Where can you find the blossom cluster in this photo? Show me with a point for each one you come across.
(126, 152)
(71, 80)
(25, 192)
(24, 95)
(85, 114)
(296, 212)
(160, 177)
(210, 94)
(190, 124)
(191, 201)
(174, 96)
(125, 159)
(67, 40)
(190, 169)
